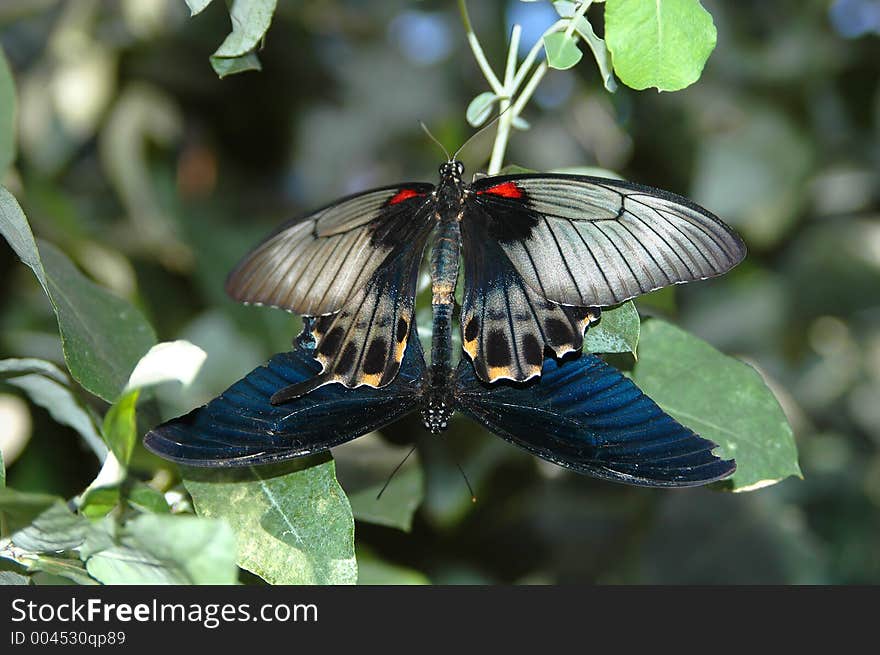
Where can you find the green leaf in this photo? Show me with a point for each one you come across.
(721, 399)
(225, 66)
(54, 530)
(293, 522)
(156, 549)
(663, 44)
(374, 571)
(2, 471)
(250, 20)
(398, 503)
(616, 332)
(102, 335)
(64, 567)
(20, 508)
(562, 51)
(603, 59)
(11, 578)
(363, 467)
(55, 396)
(99, 501)
(197, 6)
(7, 116)
(480, 108)
(120, 426)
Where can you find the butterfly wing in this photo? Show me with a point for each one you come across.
(591, 241)
(507, 325)
(242, 427)
(355, 264)
(585, 415)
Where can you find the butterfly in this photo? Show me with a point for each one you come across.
(542, 254)
(582, 414)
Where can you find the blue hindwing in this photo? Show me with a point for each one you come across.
(241, 427)
(585, 415)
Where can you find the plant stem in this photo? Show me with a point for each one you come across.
(477, 49)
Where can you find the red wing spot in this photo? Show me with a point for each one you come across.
(404, 194)
(505, 190)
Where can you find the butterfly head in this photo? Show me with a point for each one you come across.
(452, 170)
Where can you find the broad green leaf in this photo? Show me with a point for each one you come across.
(155, 549)
(197, 6)
(662, 44)
(58, 399)
(721, 399)
(19, 508)
(12, 578)
(480, 108)
(562, 51)
(225, 66)
(293, 522)
(120, 426)
(616, 332)
(102, 335)
(363, 467)
(398, 503)
(603, 60)
(54, 530)
(7, 116)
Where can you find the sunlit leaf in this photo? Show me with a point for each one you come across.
(293, 522)
(662, 44)
(103, 336)
(156, 549)
(616, 332)
(721, 399)
(562, 51)
(120, 426)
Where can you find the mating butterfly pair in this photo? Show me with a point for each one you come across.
(542, 254)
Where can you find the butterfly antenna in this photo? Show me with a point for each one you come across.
(435, 140)
(481, 130)
(394, 472)
(466, 481)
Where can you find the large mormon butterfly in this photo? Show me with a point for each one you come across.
(582, 414)
(540, 253)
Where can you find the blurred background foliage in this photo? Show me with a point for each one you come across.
(155, 176)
